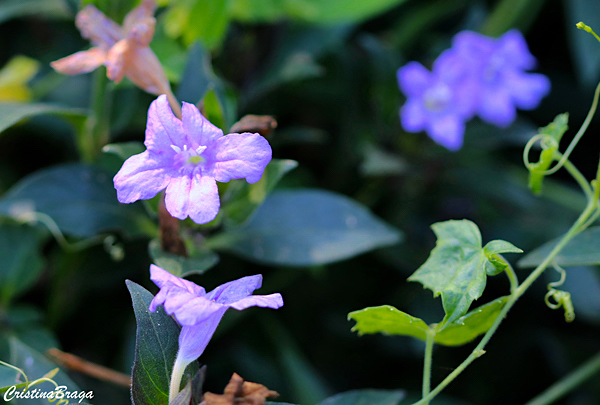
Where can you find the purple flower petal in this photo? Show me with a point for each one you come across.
(513, 47)
(197, 127)
(413, 116)
(204, 196)
(163, 129)
(193, 339)
(527, 89)
(448, 131)
(177, 196)
(235, 290)
(497, 108)
(200, 313)
(265, 301)
(413, 79)
(141, 177)
(240, 156)
(80, 62)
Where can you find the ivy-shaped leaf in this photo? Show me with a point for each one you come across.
(458, 266)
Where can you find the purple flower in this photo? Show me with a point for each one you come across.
(438, 102)
(199, 312)
(187, 157)
(497, 68)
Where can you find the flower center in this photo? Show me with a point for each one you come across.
(189, 156)
(437, 98)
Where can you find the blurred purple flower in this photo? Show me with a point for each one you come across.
(199, 312)
(188, 157)
(478, 75)
(497, 67)
(438, 102)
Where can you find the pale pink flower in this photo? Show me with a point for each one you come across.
(124, 50)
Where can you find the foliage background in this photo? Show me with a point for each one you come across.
(327, 71)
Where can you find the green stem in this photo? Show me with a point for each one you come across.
(568, 383)
(427, 362)
(512, 277)
(581, 180)
(96, 132)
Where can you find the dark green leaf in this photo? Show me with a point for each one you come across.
(583, 249)
(366, 397)
(156, 339)
(81, 200)
(314, 11)
(306, 228)
(198, 262)
(248, 197)
(21, 262)
(389, 321)
(45, 8)
(35, 365)
(457, 266)
(11, 113)
(492, 251)
(124, 150)
(473, 324)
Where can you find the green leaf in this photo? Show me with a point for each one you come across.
(248, 197)
(204, 20)
(156, 338)
(580, 251)
(36, 365)
(456, 268)
(473, 324)
(492, 251)
(12, 113)
(389, 321)
(44, 8)
(21, 262)
(313, 11)
(366, 397)
(198, 262)
(81, 199)
(124, 150)
(306, 227)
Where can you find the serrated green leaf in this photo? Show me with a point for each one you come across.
(198, 261)
(389, 321)
(306, 227)
(157, 341)
(246, 198)
(583, 249)
(20, 258)
(12, 113)
(81, 199)
(456, 268)
(468, 327)
(366, 397)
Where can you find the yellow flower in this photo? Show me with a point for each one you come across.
(124, 50)
(14, 77)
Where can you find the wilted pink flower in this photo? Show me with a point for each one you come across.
(123, 49)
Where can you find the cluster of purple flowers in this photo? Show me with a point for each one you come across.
(478, 75)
